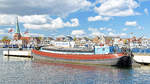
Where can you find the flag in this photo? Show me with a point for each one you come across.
(10, 30)
(26, 31)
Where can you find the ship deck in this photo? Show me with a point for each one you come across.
(68, 49)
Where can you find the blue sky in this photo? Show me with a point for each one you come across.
(76, 17)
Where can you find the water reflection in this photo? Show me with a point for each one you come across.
(82, 74)
(12, 58)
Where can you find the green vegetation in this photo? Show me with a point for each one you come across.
(74, 39)
(5, 39)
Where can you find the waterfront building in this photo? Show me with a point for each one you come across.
(60, 38)
(109, 40)
(96, 40)
(26, 41)
(118, 41)
(1, 44)
(77, 41)
(135, 42)
(99, 40)
(145, 43)
(68, 38)
(45, 41)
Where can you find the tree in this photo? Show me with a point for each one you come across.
(39, 38)
(6, 39)
(74, 39)
(125, 41)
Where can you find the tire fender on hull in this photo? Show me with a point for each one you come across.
(125, 61)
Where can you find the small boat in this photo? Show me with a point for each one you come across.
(142, 58)
(100, 55)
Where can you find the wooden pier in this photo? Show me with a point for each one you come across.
(18, 53)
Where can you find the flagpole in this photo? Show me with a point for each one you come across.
(130, 44)
(10, 33)
(12, 39)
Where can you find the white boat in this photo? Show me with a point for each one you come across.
(142, 59)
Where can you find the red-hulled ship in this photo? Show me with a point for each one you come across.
(101, 55)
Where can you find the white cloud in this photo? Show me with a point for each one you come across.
(38, 21)
(112, 34)
(125, 29)
(123, 34)
(7, 19)
(95, 32)
(116, 35)
(146, 11)
(54, 24)
(106, 29)
(109, 29)
(33, 7)
(102, 28)
(135, 24)
(33, 35)
(131, 23)
(93, 29)
(34, 19)
(74, 23)
(140, 27)
(117, 8)
(78, 32)
(96, 18)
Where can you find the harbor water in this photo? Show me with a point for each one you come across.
(17, 70)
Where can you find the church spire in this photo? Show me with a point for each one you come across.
(17, 35)
(17, 26)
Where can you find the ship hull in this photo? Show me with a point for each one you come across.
(108, 59)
